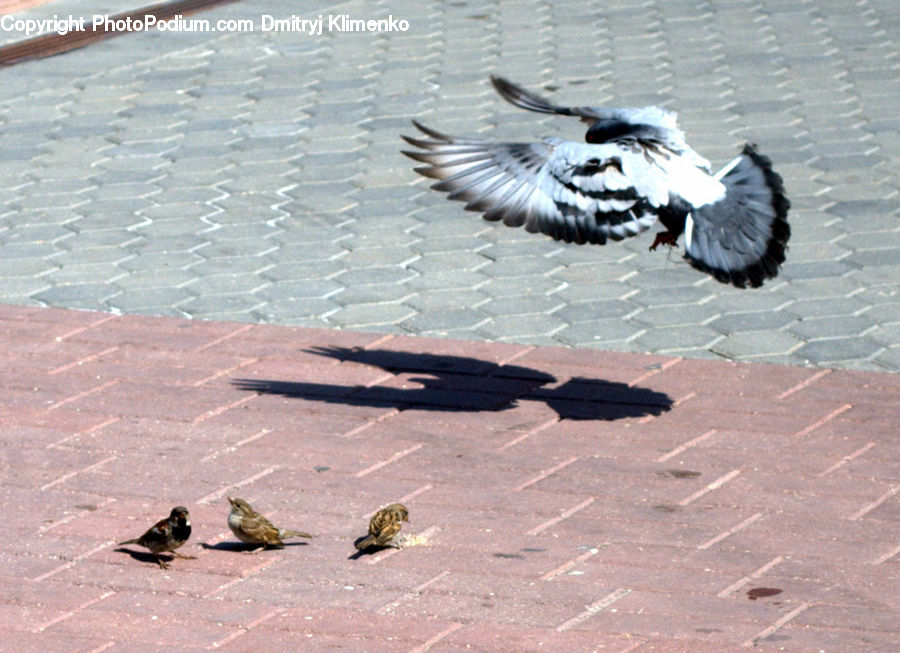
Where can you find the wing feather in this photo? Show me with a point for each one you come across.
(570, 191)
(259, 528)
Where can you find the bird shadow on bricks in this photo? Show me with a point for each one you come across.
(240, 547)
(467, 384)
(372, 550)
(143, 556)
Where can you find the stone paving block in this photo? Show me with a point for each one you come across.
(226, 284)
(377, 256)
(514, 284)
(522, 305)
(76, 272)
(679, 337)
(756, 321)
(28, 267)
(832, 327)
(875, 257)
(437, 321)
(677, 315)
(597, 332)
(372, 294)
(234, 305)
(818, 269)
(375, 275)
(839, 349)
(289, 292)
(763, 342)
(432, 263)
(505, 328)
(158, 261)
(146, 299)
(822, 291)
(367, 315)
(871, 240)
(670, 296)
(589, 311)
(86, 295)
(826, 307)
(447, 299)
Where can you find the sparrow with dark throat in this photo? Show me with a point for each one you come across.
(167, 535)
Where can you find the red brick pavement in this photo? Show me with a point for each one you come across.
(568, 500)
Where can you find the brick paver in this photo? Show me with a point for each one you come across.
(568, 500)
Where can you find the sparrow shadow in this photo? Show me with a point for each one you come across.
(465, 384)
(145, 556)
(368, 551)
(240, 547)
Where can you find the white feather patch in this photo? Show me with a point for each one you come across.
(688, 232)
(728, 168)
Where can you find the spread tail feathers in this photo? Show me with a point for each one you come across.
(741, 239)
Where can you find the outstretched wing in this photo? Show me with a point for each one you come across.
(581, 193)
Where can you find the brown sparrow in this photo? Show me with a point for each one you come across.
(167, 535)
(251, 527)
(384, 526)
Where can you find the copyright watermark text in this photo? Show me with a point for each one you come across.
(312, 26)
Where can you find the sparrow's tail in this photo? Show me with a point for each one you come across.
(741, 239)
(134, 541)
(366, 542)
(285, 533)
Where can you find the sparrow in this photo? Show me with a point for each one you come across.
(251, 527)
(384, 526)
(635, 169)
(167, 535)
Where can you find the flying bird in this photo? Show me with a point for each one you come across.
(167, 535)
(634, 169)
(250, 527)
(384, 526)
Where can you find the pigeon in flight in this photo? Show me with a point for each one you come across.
(634, 169)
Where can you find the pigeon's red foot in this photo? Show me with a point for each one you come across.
(664, 238)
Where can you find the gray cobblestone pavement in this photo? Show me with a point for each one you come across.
(257, 176)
